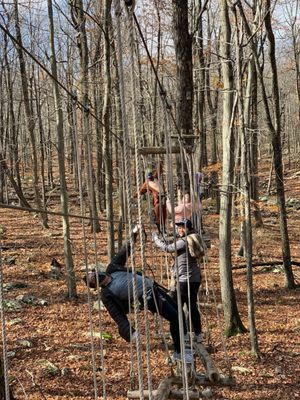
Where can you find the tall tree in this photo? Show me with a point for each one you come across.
(275, 131)
(212, 97)
(277, 151)
(106, 123)
(30, 119)
(71, 281)
(233, 323)
(79, 20)
(245, 185)
(184, 64)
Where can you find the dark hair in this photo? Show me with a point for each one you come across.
(90, 278)
(150, 176)
(186, 222)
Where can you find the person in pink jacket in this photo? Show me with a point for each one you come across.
(184, 209)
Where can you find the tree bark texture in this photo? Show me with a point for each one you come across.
(233, 322)
(30, 121)
(71, 280)
(183, 50)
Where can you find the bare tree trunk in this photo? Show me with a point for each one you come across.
(79, 22)
(296, 52)
(42, 137)
(107, 138)
(2, 142)
(183, 50)
(203, 159)
(71, 280)
(213, 102)
(18, 190)
(97, 92)
(275, 130)
(233, 323)
(245, 189)
(29, 115)
(251, 125)
(119, 160)
(276, 143)
(50, 181)
(12, 121)
(155, 91)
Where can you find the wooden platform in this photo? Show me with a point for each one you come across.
(171, 387)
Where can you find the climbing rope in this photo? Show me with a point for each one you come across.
(179, 303)
(128, 189)
(93, 353)
(138, 175)
(3, 329)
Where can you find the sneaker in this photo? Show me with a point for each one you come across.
(189, 351)
(188, 357)
(199, 338)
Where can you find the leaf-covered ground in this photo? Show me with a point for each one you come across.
(48, 338)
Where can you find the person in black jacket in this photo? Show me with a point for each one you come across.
(116, 285)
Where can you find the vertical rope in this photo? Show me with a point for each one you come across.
(3, 329)
(138, 175)
(179, 303)
(128, 189)
(100, 327)
(78, 159)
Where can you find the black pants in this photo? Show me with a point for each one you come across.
(168, 309)
(192, 300)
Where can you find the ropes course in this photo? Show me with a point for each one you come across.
(184, 379)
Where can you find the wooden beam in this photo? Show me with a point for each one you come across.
(163, 389)
(183, 137)
(162, 392)
(143, 151)
(223, 381)
(211, 370)
(181, 394)
(135, 394)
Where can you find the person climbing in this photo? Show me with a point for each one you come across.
(116, 285)
(184, 209)
(189, 275)
(153, 185)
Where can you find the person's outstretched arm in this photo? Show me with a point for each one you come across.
(169, 248)
(118, 315)
(122, 255)
(143, 189)
(120, 259)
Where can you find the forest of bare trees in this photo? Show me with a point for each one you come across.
(86, 85)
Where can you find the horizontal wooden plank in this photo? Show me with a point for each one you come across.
(157, 150)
